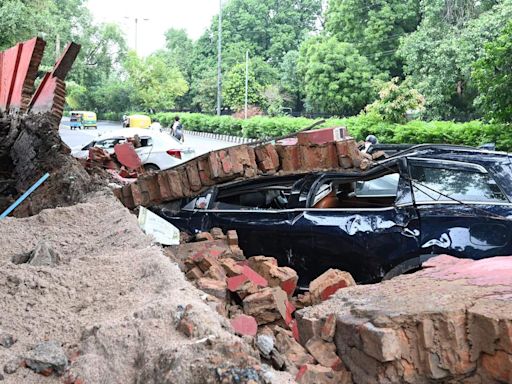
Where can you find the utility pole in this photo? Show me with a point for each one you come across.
(219, 61)
(246, 80)
(136, 19)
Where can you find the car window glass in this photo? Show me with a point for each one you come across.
(107, 143)
(374, 193)
(437, 184)
(146, 141)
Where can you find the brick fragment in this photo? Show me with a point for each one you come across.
(232, 238)
(323, 352)
(316, 374)
(283, 277)
(253, 276)
(163, 184)
(207, 261)
(329, 328)
(231, 267)
(262, 306)
(244, 325)
(217, 233)
(194, 180)
(213, 287)
(203, 236)
(136, 195)
(194, 274)
(187, 327)
(291, 349)
(328, 283)
(204, 172)
(267, 158)
(289, 157)
(174, 183)
(127, 197)
(318, 156)
(216, 272)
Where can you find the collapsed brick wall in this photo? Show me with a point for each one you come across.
(451, 323)
(241, 162)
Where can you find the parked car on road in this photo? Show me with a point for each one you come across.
(157, 151)
(421, 202)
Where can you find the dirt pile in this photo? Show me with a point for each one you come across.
(450, 323)
(30, 147)
(257, 296)
(111, 302)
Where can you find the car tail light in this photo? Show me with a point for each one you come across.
(175, 153)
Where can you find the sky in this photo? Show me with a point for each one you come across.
(192, 15)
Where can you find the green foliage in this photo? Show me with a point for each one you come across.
(268, 28)
(473, 133)
(493, 77)
(154, 83)
(290, 81)
(337, 78)
(374, 27)
(438, 56)
(395, 100)
(234, 88)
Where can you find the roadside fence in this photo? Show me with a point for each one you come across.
(217, 136)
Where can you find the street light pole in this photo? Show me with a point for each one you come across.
(136, 19)
(246, 80)
(219, 61)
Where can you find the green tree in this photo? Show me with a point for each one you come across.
(395, 100)
(438, 57)
(374, 27)
(337, 78)
(270, 28)
(233, 91)
(156, 85)
(493, 77)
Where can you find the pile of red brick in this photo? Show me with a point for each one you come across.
(257, 295)
(241, 162)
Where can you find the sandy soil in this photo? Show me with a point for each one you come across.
(112, 302)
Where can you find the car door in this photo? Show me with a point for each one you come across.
(463, 210)
(365, 241)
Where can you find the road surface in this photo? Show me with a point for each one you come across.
(77, 137)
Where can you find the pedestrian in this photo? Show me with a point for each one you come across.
(177, 129)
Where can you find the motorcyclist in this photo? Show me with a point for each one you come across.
(177, 129)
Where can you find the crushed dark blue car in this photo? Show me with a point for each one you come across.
(420, 202)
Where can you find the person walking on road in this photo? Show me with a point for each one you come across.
(177, 129)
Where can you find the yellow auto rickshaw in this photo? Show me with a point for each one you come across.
(137, 121)
(82, 119)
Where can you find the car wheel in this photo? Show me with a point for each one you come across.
(151, 167)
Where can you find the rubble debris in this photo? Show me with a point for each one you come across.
(244, 325)
(394, 332)
(265, 344)
(328, 283)
(46, 358)
(314, 374)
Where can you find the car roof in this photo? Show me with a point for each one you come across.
(141, 132)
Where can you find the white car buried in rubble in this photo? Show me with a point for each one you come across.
(158, 150)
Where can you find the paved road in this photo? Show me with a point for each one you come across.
(75, 138)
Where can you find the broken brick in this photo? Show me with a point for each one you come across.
(244, 325)
(205, 262)
(217, 233)
(291, 349)
(329, 328)
(234, 283)
(289, 157)
(329, 283)
(213, 287)
(204, 172)
(174, 183)
(186, 327)
(316, 374)
(283, 277)
(323, 352)
(136, 195)
(203, 236)
(216, 272)
(253, 276)
(267, 158)
(318, 156)
(232, 238)
(231, 267)
(194, 273)
(262, 306)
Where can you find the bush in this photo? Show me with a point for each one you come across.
(473, 133)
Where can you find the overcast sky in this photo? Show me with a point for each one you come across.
(192, 15)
